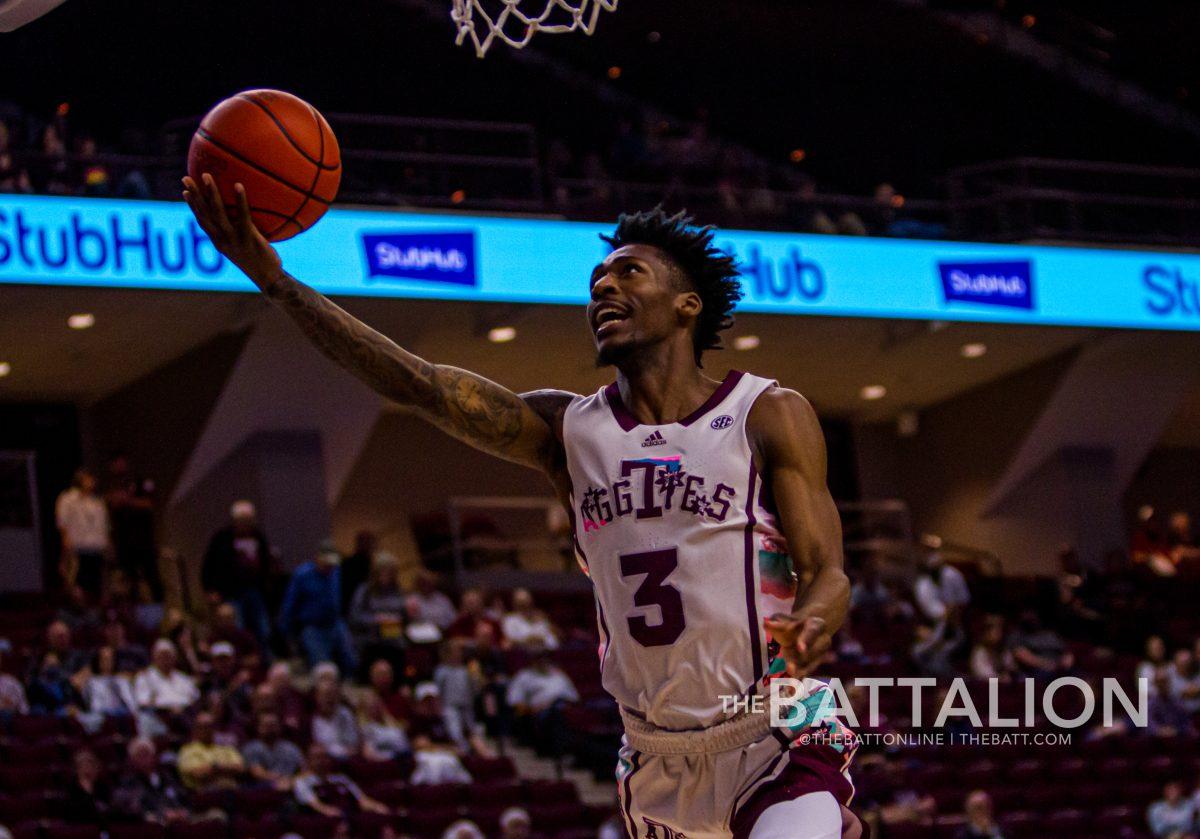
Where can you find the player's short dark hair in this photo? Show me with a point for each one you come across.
(710, 271)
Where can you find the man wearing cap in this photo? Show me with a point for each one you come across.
(237, 569)
(312, 611)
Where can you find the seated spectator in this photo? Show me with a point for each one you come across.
(1155, 660)
(162, 686)
(376, 613)
(436, 763)
(1173, 816)
(269, 758)
(1165, 714)
(146, 791)
(429, 604)
(312, 612)
(88, 796)
(52, 689)
(463, 829)
(331, 793)
(130, 657)
(472, 613)
(383, 736)
(226, 679)
(989, 658)
(536, 695)
(12, 694)
(1184, 681)
(177, 628)
(225, 629)
(457, 693)
(382, 677)
(980, 823)
(205, 765)
(1037, 650)
(525, 626)
(515, 823)
(333, 725)
(941, 591)
(286, 700)
(59, 641)
(106, 693)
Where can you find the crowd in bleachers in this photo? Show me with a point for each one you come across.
(337, 697)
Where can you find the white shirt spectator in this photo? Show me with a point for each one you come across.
(84, 520)
(540, 689)
(171, 691)
(338, 733)
(1185, 689)
(435, 766)
(532, 630)
(928, 595)
(953, 586)
(434, 608)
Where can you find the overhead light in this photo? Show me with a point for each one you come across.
(654, 37)
(502, 334)
(873, 392)
(746, 342)
(458, 196)
(614, 72)
(798, 155)
(83, 320)
(973, 350)
(5, 369)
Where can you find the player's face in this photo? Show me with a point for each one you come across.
(637, 301)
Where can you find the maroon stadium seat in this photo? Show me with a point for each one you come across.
(312, 826)
(489, 768)
(439, 796)
(206, 829)
(62, 830)
(136, 830)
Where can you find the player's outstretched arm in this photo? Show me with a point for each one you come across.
(792, 449)
(473, 409)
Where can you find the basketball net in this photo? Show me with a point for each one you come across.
(515, 26)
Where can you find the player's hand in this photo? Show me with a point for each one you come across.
(803, 642)
(232, 231)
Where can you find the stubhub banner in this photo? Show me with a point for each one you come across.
(379, 253)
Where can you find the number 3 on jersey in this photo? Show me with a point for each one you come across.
(655, 591)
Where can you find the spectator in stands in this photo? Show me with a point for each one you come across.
(383, 736)
(516, 824)
(1165, 715)
(1181, 538)
(463, 829)
(357, 567)
(91, 177)
(333, 724)
(283, 697)
(163, 687)
(205, 765)
(989, 658)
(471, 613)
(1038, 650)
(436, 763)
(269, 758)
(177, 628)
(52, 689)
(224, 629)
(537, 694)
(941, 591)
(106, 693)
(131, 509)
(429, 604)
(12, 693)
(979, 821)
(376, 614)
(312, 613)
(88, 795)
(526, 626)
(331, 793)
(1173, 816)
(237, 568)
(1184, 681)
(457, 692)
(51, 171)
(1155, 660)
(230, 683)
(147, 792)
(60, 643)
(382, 679)
(83, 528)
(129, 656)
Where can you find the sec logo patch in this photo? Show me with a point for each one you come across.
(723, 421)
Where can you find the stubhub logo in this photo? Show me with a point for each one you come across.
(989, 283)
(436, 257)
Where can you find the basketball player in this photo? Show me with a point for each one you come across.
(687, 495)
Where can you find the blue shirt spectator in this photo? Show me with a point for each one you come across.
(312, 611)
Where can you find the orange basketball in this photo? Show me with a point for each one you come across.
(280, 149)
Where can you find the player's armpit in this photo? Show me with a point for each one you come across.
(474, 409)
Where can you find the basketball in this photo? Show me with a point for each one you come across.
(280, 149)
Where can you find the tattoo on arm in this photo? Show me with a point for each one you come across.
(464, 405)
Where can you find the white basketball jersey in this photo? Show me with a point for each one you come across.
(674, 529)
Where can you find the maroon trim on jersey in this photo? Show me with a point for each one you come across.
(812, 767)
(751, 591)
(628, 421)
(627, 804)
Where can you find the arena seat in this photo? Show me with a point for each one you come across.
(136, 830)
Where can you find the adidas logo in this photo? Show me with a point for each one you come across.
(655, 439)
